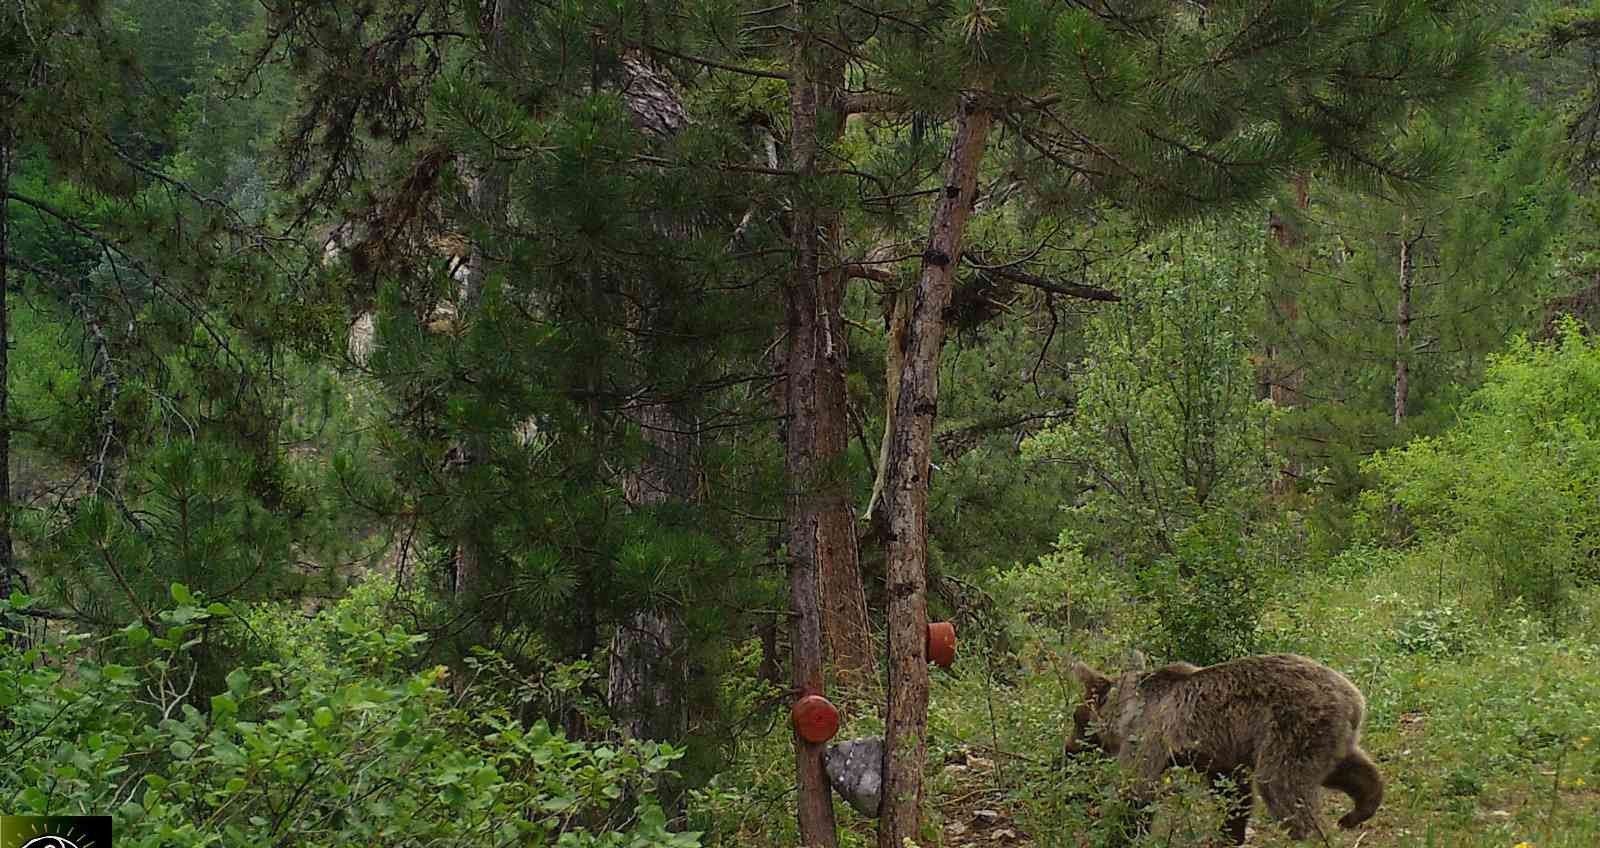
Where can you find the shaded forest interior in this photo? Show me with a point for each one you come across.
(472, 421)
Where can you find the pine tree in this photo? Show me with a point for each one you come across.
(649, 668)
(1170, 108)
(7, 562)
(1402, 297)
(607, 334)
(171, 407)
(53, 77)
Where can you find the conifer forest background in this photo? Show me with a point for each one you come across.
(481, 422)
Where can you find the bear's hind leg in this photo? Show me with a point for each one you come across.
(1234, 790)
(1294, 803)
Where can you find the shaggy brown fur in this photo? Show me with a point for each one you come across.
(1286, 723)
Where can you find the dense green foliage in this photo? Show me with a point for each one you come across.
(1170, 442)
(396, 402)
(1166, 427)
(330, 738)
(1484, 253)
(1508, 494)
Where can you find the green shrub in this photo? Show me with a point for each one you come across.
(1208, 596)
(1166, 427)
(1061, 598)
(345, 741)
(1511, 493)
(1440, 631)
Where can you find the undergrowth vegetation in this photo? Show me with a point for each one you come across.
(339, 736)
(1481, 722)
(1472, 627)
(1471, 624)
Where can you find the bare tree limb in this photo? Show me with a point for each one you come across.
(1016, 275)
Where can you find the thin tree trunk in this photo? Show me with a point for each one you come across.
(486, 197)
(1402, 330)
(586, 615)
(814, 811)
(101, 366)
(7, 564)
(1284, 382)
(894, 354)
(771, 668)
(906, 493)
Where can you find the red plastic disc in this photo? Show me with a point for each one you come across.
(815, 719)
(941, 643)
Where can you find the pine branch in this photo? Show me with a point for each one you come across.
(721, 66)
(156, 281)
(958, 440)
(1010, 272)
(887, 102)
(860, 271)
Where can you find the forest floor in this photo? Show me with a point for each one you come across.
(1485, 725)
(975, 809)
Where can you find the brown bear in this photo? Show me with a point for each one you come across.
(1285, 723)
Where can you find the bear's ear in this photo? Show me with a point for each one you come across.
(1137, 660)
(1095, 684)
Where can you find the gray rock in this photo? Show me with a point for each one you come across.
(855, 769)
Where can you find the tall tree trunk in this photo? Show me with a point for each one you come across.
(844, 614)
(1402, 329)
(587, 614)
(648, 672)
(846, 631)
(486, 197)
(814, 811)
(7, 564)
(1284, 379)
(906, 493)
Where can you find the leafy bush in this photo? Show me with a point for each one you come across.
(1172, 446)
(1166, 426)
(1208, 596)
(1201, 604)
(1059, 597)
(360, 748)
(1440, 631)
(1512, 491)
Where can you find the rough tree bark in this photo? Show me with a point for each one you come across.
(906, 493)
(846, 632)
(648, 674)
(647, 669)
(1402, 329)
(845, 624)
(814, 810)
(6, 562)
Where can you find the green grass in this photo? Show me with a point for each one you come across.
(1485, 727)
